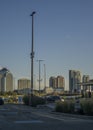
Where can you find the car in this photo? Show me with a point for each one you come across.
(56, 98)
(53, 98)
(1, 101)
(50, 99)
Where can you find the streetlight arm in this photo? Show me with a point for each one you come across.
(33, 13)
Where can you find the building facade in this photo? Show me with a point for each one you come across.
(57, 82)
(24, 85)
(6, 80)
(85, 79)
(52, 82)
(60, 82)
(91, 87)
(74, 80)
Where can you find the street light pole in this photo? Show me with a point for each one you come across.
(39, 75)
(44, 76)
(32, 53)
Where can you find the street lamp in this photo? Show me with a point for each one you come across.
(39, 74)
(32, 53)
(44, 76)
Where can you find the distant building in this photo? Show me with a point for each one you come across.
(48, 90)
(6, 80)
(52, 82)
(60, 82)
(57, 82)
(24, 85)
(74, 79)
(85, 79)
(91, 86)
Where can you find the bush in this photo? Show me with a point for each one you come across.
(87, 107)
(59, 107)
(26, 100)
(35, 100)
(66, 107)
(10, 100)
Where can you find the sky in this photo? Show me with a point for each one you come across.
(63, 37)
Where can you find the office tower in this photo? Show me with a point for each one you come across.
(24, 84)
(85, 79)
(57, 82)
(6, 80)
(74, 80)
(60, 82)
(91, 86)
(0, 82)
(52, 82)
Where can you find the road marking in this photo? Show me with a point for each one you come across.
(12, 113)
(62, 118)
(25, 122)
(4, 109)
(49, 116)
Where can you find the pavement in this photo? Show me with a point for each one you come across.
(43, 117)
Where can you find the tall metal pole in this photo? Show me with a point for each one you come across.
(39, 75)
(44, 76)
(32, 53)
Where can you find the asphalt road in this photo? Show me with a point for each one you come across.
(20, 117)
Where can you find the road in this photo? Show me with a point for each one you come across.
(20, 117)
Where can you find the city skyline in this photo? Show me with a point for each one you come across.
(58, 82)
(62, 36)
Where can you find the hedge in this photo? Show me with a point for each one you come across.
(35, 100)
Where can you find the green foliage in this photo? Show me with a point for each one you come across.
(26, 100)
(87, 107)
(10, 100)
(66, 107)
(35, 100)
(69, 107)
(8, 93)
(59, 107)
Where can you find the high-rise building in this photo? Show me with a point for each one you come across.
(52, 82)
(23, 84)
(60, 82)
(91, 86)
(57, 82)
(74, 80)
(6, 80)
(85, 79)
(1, 82)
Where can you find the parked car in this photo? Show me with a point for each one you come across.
(50, 99)
(56, 98)
(53, 98)
(1, 101)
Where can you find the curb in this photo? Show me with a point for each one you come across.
(73, 115)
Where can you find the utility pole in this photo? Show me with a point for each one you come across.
(32, 54)
(39, 75)
(44, 76)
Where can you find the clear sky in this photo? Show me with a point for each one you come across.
(63, 36)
